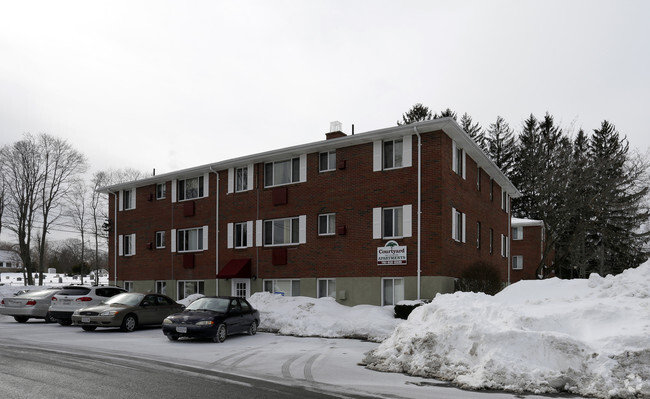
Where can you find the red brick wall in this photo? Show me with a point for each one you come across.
(351, 193)
(530, 248)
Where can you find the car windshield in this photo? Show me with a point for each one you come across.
(214, 304)
(128, 298)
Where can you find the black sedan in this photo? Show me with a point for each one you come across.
(213, 318)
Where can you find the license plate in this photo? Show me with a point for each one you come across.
(85, 319)
(66, 301)
(181, 330)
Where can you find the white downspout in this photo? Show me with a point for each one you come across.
(419, 283)
(115, 237)
(216, 231)
(509, 252)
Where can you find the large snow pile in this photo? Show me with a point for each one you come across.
(323, 317)
(589, 337)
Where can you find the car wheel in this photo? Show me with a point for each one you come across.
(21, 319)
(89, 328)
(221, 333)
(252, 330)
(49, 318)
(172, 337)
(65, 322)
(129, 323)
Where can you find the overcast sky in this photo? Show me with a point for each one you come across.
(176, 84)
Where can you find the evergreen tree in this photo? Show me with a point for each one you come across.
(417, 113)
(474, 130)
(448, 113)
(500, 143)
(618, 209)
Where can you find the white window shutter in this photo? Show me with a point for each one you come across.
(250, 178)
(133, 198)
(464, 165)
(120, 201)
(376, 155)
(206, 185)
(302, 229)
(174, 186)
(464, 228)
(303, 168)
(173, 240)
(503, 249)
(249, 233)
(231, 180)
(376, 223)
(453, 224)
(205, 238)
(231, 235)
(454, 157)
(407, 229)
(407, 151)
(132, 243)
(120, 245)
(258, 233)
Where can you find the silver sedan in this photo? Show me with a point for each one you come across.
(30, 305)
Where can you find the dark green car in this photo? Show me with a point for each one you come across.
(127, 311)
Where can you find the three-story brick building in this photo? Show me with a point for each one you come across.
(376, 217)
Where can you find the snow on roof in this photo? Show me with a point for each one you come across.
(519, 222)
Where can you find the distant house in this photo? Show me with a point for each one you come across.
(528, 240)
(374, 218)
(10, 261)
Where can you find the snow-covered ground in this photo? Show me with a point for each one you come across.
(589, 337)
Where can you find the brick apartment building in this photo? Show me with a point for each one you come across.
(528, 240)
(369, 218)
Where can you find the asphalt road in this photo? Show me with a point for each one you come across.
(32, 373)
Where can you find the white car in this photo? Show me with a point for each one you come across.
(29, 305)
(73, 297)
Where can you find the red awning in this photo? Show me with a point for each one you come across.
(236, 268)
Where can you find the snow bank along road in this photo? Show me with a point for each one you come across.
(330, 365)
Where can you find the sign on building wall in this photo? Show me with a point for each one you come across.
(391, 254)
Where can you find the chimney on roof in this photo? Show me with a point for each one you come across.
(335, 131)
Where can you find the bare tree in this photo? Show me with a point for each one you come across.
(61, 165)
(78, 213)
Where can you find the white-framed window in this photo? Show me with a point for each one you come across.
(161, 191)
(286, 287)
(505, 201)
(458, 225)
(191, 188)
(128, 285)
(126, 244)
(127, 200)
(326, 287)
(286, 231)
(518, 233)
(327, 161)
(189, 240)
(189, 287)
(458, 160)
(504, 246)
(392, 222)
(241, 179)
(160, 239)
(392, 290)
(241, 235)
(392, 154)
(161, 287)
(491, 240)
(517, 262)
(327, 224)
(287, 171)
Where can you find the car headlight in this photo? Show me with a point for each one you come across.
(109, 313)
(168, 321)
(205, 323)
(76, 312)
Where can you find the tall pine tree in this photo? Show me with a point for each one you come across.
(500, 143)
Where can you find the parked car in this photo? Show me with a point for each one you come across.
(74, 297)
(29, 305)
(214, 318)
(127, 311)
